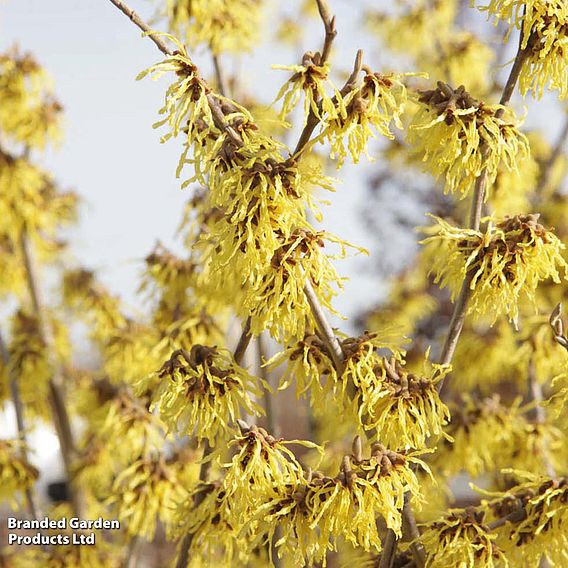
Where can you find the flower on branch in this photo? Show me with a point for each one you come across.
(503, 265)
(310, 79)
(461, 138)
(462, 538)
(377, 103)
(544, 28)
(203, 391)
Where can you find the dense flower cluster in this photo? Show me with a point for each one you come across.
(503, 266)
(461, 138)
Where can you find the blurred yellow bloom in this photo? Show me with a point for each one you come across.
(541, 532)
(411, 31)
(146, 492)
(16, 474)
(29, 198)
(460, 58)
(93, 302)
(222, 25)
(462, 539)
(29, 114)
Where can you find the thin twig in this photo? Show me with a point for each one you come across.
(243, 343)
(272, 423)
(313, 117)
(534, 396)
(548, 166)
(329, 27)
(325, 327)
(137, 20)
(219, 75)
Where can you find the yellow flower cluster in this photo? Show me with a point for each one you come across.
(146, 492)
(502, 266)
(406, 409)
(16, 474)
(222, 25)
(202, 392)
(376, 103)
(28, 112)
(29, 359)
(488, 436)
(310, 365)
(260, 243)
(461, 138)
(541, 531)
(544, 28)
(309, 80)
(411, 31)
(102, 555)
(497, 346)
(29, 198)
(92, 302)
(313, 515)
(462, 539)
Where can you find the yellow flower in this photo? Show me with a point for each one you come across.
(261, 466)
(29, 359)
(541, 531)
(462, 539)
(146, 492)
(101, 555)
(131, 430)
(277, 301)
(310, 79)
(460, 137)
(167, 273)
(93, 302)
(186, 107)
(215, 541)
(460, 58)
(489, 436)
(503, 266)
(222, 25)
(310, 364)
(28, 112)
(497, 346)
(411, 31)
(29, 198)
(377, 103)
(16, 474)
(405, 409)
(202, 392)
(543, 24)
(314, 513)
(130, 355)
